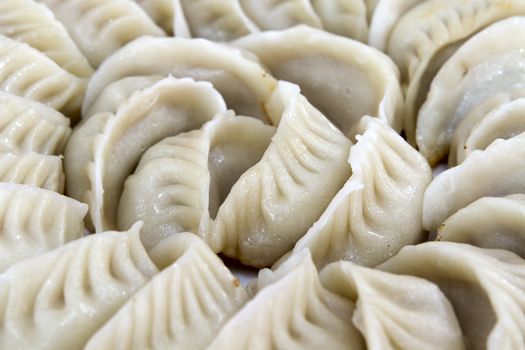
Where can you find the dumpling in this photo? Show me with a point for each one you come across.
(181, 181)
(495, 172)
(35, 221)
(489, 222)
(343, 17)
(34, 24)
(26, 72)
(101, 27)
(485, 65)
(464, 128)
(217, 20)
(292, 310)
(72, 291)
(343, 78)
(105, 149)
(275, 202)
(386, 15)
(379, 209)
(280, 14)
(161, 11)
(485, 287)
(243, 83)
(40, 170)
(182, 307)
(28, 126)
(430, 33)
(395, 312)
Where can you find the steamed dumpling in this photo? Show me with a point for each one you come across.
(101, 27)
(395, 312)
(35, 221)
(181, 181)
(28, 126)
(60, 299)
(105, 149)
(485, 286)
(343, 78)
(343, 17)
(275, 202)
(489, 222)
(379, 209)
(36, 169)
(182, 307)
(485, 65)
(280, 14)
(161, 11)
(292, 310)
(495, 172)
(243, 83)
(34, 24)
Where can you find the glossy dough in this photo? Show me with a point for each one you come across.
(106, 148)
(181, 181)
(274, 203)
(485, 287)
(243, 83)
(343, 78)
(280, 14)
(378, 211)
(182, 307)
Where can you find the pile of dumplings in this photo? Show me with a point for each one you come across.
(144, 143)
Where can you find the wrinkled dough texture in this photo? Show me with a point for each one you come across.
(161, 11)
(280, 14)
(343, 17)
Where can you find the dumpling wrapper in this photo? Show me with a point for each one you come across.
(35, 221)
(101, 27)
(34, 24)
(35, 169)
(485, 286)
(242, 82)
(280, 14)
(29, 126)
(379, 209)
(291, 310)
(161, 11)
(275, 202)
(343, 17)
(395, 312)
(182, 307)
(343, 78)
(489, 222)
(105, 149)
(484, 66)
(181, 181)
(497, 171)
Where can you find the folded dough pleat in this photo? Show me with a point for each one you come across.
(343, 17)
(280, 14)
(182, 307)
(161, 11)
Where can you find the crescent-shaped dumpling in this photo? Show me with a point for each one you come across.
(343, 78)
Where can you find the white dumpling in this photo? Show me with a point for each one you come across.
(34, 24)
(101, 27)
(485, 286)
(26, 72)
(275, 202)
(60, 299)
(430, 33)
(497, 171)
(36, 169)
(395, 312)
(182, 307)
(28, 126)
(379, 209)
(217, 20)
(469, 122)
(35, 221)
(485, 65)
(243, 83)
(386, 15)
(341, 77)
(181, 181)
(489, 222)
(105, 149)
(292, 310)
(343, 17)
(280, 14)
(161, 11)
